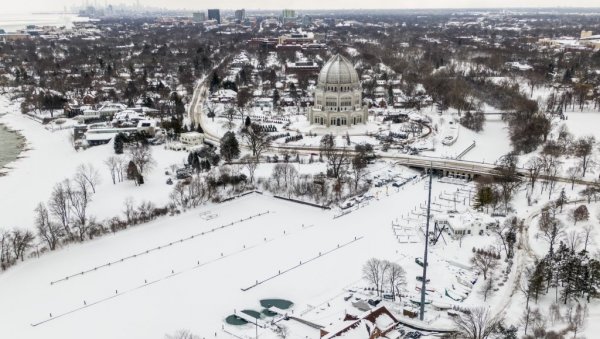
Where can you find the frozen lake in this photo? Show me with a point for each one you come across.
(12, 22)
(11, 145)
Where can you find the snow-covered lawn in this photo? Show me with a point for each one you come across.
(49, 158)
(180, 293)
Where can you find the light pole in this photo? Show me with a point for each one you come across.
(424, 282)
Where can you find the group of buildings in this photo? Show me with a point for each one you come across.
(288, 16)
(586, 40)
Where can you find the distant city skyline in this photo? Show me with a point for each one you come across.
(59, 5)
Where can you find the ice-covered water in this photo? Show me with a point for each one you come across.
(13, 22)
(11, 145)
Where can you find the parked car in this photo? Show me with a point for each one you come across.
(399, 183)
(183, 173)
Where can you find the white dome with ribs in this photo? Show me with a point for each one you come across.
(338, 70)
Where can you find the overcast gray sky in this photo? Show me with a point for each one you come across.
(56, 5)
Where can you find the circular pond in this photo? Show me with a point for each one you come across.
(235, 320)
(279, 303)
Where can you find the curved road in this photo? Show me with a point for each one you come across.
(196, 114)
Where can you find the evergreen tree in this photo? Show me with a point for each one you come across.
(132, 171)
(196, 163)
(214, 82)
(570, 270)
(592, 279)
(190, 158)
(230, 148)
(275, 98)
(205, 165)
(119, 142)
(537, 281)
(562, 199)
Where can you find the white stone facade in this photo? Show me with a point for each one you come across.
(338, 96)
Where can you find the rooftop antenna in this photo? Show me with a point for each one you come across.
(424, 282)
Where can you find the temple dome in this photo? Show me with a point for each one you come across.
(338, 70)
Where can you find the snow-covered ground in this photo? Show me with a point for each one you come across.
(49, 158)
(198, 282)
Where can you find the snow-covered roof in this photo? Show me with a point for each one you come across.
(338, 70)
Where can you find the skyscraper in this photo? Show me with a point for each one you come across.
(288, 16)
(199, 16)
(214, 14)
(288, 13)
(240, 14)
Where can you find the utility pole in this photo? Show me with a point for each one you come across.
(424, 282)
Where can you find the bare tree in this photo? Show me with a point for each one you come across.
(396, 278)
(534, 167)
(372, 272)
(577, 321)
(359, 165)
(112, 163)
(278, 173)
(550, 170)
(141, 155)
(121, 166)
(337, 159)
(182, 334)
(528, 291)
(478, 323)
(506, 232)
(191, 195)
(384, 268)
(508, 178)
(538, 322)
(47, 230)
(5, 249)
(230, 115)
(573, 173)
(130, 213)
(89, 174)
(256, 139)
(179, 196)
(21, 241)
(485, 262)
(250, 164)
(573, 239)
(525, 319)
(291, 174)
(59, 207)
(554, 313)
(550, 227)
(78, 205)
(587, 231)
(582, 148)
(488, 287)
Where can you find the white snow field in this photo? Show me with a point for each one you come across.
(49, 158)
(196, 284)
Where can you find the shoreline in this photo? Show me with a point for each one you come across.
(22, 142)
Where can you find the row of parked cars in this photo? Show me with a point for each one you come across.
(396, 181)
(350, 202)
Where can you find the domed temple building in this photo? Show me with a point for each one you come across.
(338, 96)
